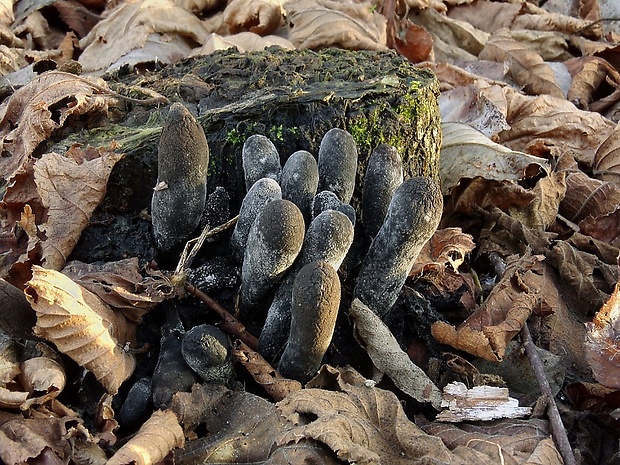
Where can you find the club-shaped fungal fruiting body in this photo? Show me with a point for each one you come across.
(260, 159)
(207, 351)
(299, 181)
(180, 194)
(384, 174)
(328, 239)
(412, 217)
(315, 302)
(260, 194)
(337, 163)
(274, 241)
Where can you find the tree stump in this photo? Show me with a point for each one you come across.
(292, 97)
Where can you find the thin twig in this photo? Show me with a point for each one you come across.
(557, 427)
(229, 323)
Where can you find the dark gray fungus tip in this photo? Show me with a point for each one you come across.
(316, 298)
(412, 218)
(260, 194)
(180, 194)
(384, 174)
(299, 181)
(207, 351)
(260, 160)
(274, 241)
(337, 162)
(171, 373)
(328, 239)
(327, 200)
(137, 406)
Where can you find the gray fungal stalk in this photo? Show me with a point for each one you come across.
(260, 159)
(337, 164)
(412, 218)
(274, 241)
(180, 194)
(316, 298)
(299, 181)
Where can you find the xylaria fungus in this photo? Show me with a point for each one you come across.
(328, 239)
(137, 406)
(260, 159)
(315, 302)
(299, 181)
(384, 174)
(327, 200)
(260, 194)
(412, 218)
(207, 351)
(181, 191)
(171, 373)
(337, 162)
(273, 243)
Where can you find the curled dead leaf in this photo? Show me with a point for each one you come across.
(43, 377)
(159, 435)
(591, 73)
(81, 326)
(261, 17)
(526, 67)
(448, 246)
(606, 166)
(316, 24)
(467, 153)
(26, 118)
(487, 332)
(129, 26)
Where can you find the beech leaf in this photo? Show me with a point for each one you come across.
(157, 437)
(467, 153)
(316, 24)
(526, 67)
(81, 326)
(606, 166)
(26, 118)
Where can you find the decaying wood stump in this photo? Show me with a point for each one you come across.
(292, 97)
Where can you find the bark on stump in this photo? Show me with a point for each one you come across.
(292, 97)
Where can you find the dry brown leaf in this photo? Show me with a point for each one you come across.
(416, 45)
(453, 32)
(46, 438)
(487, 332)
(503, 441)
(587, 197)
(602, 346)
(242, 427)
(389, 358)
(43, 377)
(361, 424)
(197, 6)
(261, 17)
(554, 123)
(193, 408)
(243, 41)
(526, 67)
(469, 105)
(81, 326)
(448, 246)
(129, 26)
(586, 277)
(70, 186)
(316, 24)
(467, 153)
(550, 22)
(590, 73)
(121, 285)
(606, 164)
(439, 5)
(26, 119)
(157, 437)
(486, 15)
